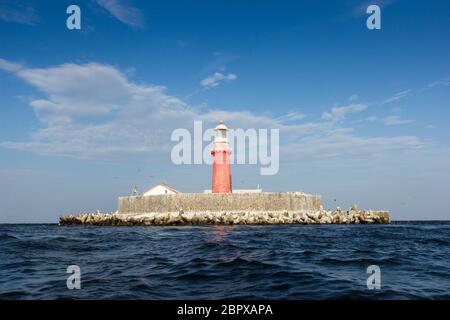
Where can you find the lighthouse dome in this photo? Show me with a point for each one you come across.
(221, 126)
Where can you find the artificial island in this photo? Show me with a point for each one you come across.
(162, 205)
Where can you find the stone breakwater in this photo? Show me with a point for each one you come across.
(338, 216)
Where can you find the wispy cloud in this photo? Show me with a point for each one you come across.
(10, 11)
(441, 83)
(219, 61)
(94, 111)
(292, 116)
(360, 9)
(215, 79)
(9, 66)
(126, 14)
(391, 120)
(395, 120)
(397, 96)
(339, 113)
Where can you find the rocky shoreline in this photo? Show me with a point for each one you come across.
(338, 216)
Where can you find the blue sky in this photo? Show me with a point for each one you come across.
(86, 114)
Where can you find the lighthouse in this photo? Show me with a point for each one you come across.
(221, 180)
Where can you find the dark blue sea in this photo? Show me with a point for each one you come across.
(226, 262)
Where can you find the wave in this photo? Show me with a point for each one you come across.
(245, 262)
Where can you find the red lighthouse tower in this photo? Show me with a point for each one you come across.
(221, 181)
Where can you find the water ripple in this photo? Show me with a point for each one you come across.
(226, 262)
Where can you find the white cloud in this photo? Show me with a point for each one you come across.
(129, 15)
(219, 62)
(94, 111)
(79, 91)
(9, 66)
(395, 120)
(344, 145)
(443, 83)
(397, 96)
(353, 97)
(339, 113)
(216, 78)
(389, 120)
(292, 116)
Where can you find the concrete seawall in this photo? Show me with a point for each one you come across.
(195, 202)
(268, 208)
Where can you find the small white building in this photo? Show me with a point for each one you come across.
(160, 189)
